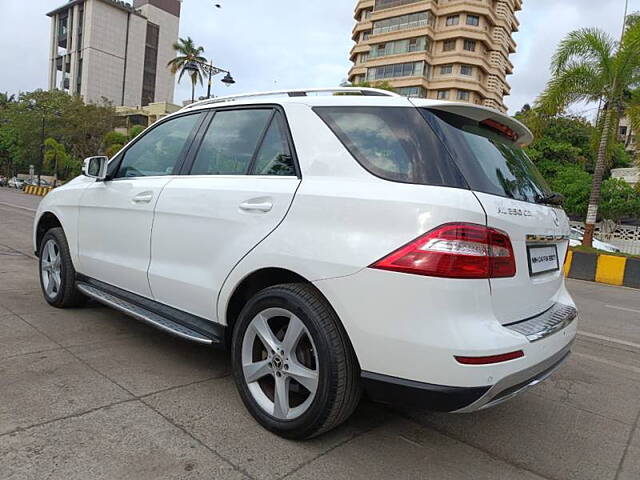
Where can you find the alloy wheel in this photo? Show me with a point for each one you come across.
(51, 268)
(280, 363)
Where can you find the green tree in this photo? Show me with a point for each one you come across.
(383, 85)
(590, 66)
(619, 200)
(135, 131)
(57, 160)
(189, 59)
(574, 184)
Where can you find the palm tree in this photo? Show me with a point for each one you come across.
(590, 66)
(189, 59)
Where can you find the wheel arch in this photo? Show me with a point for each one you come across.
(46, 222)
(251, 284)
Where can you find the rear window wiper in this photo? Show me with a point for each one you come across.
(553, 198)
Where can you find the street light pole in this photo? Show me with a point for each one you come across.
(41, 163)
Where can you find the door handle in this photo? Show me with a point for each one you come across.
(144, 197)
(256, 207)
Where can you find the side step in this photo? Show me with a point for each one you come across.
(142, 314)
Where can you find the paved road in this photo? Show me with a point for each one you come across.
(89, 393)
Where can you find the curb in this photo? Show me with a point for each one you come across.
(35, 190)
(609, 269)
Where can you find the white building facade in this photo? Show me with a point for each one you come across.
(110, 49)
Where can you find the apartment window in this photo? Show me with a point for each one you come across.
(623, 131)
(403, 22)
(382, 4)
(400, 46)
(364, 57)
(366, 14)
(365, 36)
(473, 20)
(150, 64)
(470, 45)
(411, 69)
(443, 94)
(453, 20)
(413, 92)
(449, 45)
(446, 69)
(466, 70)
(463, 95)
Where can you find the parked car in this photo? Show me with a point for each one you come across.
(16, 182)
(577, 237)
(336, 244)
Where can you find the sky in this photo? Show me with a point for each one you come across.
(280, 44)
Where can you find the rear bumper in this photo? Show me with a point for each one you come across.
(440, 398)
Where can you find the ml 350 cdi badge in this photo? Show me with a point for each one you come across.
(337, 242)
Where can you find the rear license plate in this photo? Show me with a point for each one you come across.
(543, 259)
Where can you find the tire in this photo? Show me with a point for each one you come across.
(322, 348)
(57, 275)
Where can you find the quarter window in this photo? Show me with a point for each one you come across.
(157, 152)
(230, 142)
(393, 143)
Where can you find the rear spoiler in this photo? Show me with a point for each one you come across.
(495, 119)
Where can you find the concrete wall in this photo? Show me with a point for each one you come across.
(135, 61)
(105, 38)
(169, 28)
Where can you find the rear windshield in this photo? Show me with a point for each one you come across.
(394, 143)
(429, 147)
(489, 161)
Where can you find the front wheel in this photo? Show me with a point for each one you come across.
(293, 364)
(57, 275)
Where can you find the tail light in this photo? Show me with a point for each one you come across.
(455, 250)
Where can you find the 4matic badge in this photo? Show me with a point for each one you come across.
(517, 212)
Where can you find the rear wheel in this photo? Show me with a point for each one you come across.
(57, 275)
(293, 363)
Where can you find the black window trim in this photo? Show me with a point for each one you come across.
(181, 158)
(187, 166)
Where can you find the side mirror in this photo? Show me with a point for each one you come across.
(95, 167)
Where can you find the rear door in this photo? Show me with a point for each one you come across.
(512, 193)
(242, 179)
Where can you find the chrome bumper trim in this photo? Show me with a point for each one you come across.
(545, 324)
(518, 382)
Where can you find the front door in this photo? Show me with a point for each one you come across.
(116, 215)
(241, 185)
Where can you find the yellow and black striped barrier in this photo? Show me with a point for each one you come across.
(603, 268)
(36, 190)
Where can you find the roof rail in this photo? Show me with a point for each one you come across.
(303, 92)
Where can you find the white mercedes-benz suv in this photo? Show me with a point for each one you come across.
(338, 242)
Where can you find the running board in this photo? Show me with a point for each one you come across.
(142, 314)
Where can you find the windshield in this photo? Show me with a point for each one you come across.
(490, 162)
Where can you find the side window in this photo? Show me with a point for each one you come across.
(230, 142)
(158, 151)
(274, 157)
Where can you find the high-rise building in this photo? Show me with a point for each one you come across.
(440, 49)
(114, 50)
